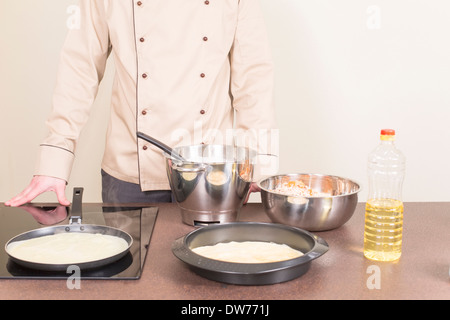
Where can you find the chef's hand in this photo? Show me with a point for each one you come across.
(38, 185)
(253, 188)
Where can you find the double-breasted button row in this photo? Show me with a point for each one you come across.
(202, 74)
(145, 75)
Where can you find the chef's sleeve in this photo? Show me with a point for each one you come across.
(81, 68)
(252, 87)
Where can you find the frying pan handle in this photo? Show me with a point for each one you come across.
(77, 202)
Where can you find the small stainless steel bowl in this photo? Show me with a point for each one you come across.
(312, 213)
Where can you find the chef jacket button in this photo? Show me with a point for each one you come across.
(206, 2)
(144, 148)
(205, 38)
(142, 39)
(144, 112)
(139, 3)
(144, 75)
(202, 111)
(202, 75)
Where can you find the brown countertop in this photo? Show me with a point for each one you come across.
(342, 273)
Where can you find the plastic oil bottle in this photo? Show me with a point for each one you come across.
(384, 207)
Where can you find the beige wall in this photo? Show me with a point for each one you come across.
(344, 70)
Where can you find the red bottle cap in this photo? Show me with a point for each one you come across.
(388, 132)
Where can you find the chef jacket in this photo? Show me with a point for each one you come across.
(186, 72)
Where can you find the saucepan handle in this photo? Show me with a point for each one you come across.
(161, 145)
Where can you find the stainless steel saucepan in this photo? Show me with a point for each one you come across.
(209, 182)
(74, 226)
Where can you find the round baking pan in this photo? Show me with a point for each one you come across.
(70, 228)
(310, 245)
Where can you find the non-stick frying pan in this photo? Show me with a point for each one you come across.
(75, 225)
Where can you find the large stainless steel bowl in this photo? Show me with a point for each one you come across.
(212, 183)
(312, 213)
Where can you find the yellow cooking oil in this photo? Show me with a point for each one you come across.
(383, 229)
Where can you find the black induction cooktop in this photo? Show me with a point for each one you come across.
(137, 221)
